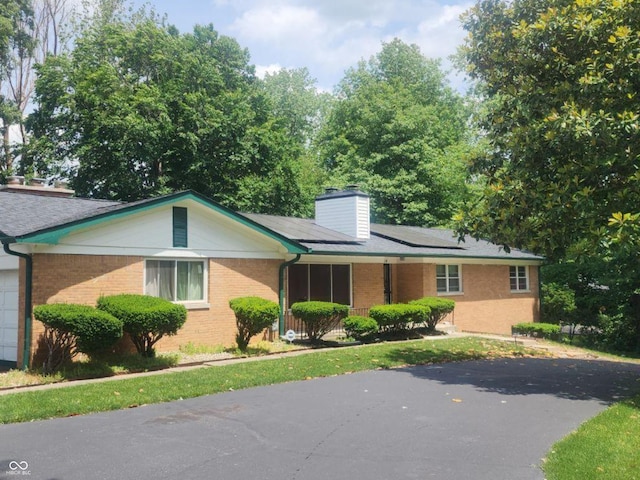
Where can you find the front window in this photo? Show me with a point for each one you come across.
(448, 279)
(519, 278)
(327, 283)
(175, 280)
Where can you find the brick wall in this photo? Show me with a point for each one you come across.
(82, 279)
(368, 285)
(487, 303)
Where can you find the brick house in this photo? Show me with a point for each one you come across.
(191, 250)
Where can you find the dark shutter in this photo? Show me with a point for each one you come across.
(180, 227)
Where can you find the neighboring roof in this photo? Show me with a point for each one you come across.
(27, 218)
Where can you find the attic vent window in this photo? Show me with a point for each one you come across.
(180, 227)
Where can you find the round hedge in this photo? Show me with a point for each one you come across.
(94, 329)
(253, 314)
(398, 316)
(318, 317)
(438, 309)
(359, 327)
(145, 318)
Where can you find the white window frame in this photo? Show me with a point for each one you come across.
(189, 304)
(447, 278)
(518, 277)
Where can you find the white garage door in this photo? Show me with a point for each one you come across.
(8, 315)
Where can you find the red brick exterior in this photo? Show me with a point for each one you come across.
(486, 305)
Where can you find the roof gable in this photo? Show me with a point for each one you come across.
(84, 215)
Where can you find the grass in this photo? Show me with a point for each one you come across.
(134, 392)
(93, 368)
(604, 447)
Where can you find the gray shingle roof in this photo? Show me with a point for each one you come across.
(22, 213)
(387, 240)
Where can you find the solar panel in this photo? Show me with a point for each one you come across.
(412, 236)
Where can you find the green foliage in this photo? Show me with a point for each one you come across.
(560, 85)
(319, 318)
(535, 329)
(253, 315)
(439, 308)
(176, 111)
(558, 303)
(359, 327)
(399, 316)
(397, 130)
(71, 328)
(146, 319)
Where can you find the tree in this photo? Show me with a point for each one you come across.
(300, 108)
(36, 33)
(138, 109)
(16, 17)
(400, 132)
(561, 117)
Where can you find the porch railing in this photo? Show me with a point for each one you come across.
(295, 324)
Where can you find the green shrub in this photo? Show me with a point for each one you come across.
(319, 318)
(146, 319)
(71, 328)
(558, 303)
(253, 314)
(360, 327)
(399, 316)
(439, 308)
(537, 329)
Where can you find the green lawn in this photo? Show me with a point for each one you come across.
(605, 447)
(134, 392)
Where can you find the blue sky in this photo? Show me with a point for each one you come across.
(326, 36)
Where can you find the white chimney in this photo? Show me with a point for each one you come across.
(345, 211)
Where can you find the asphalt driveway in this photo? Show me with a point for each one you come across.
(472, 420)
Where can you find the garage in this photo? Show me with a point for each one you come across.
(8, 317)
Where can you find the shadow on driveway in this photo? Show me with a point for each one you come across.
(572, 379)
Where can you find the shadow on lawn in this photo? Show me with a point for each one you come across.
(573, 379)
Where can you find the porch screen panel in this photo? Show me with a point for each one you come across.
(320, 278)
(341, 280)
(298, 283)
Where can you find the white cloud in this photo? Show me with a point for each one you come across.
(262, 70)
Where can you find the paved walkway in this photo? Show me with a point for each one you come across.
(556, 350)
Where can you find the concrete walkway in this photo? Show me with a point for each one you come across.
(553, 349)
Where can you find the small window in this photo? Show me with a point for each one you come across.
(175, 280)
(448, 279)
(180, 227)
(519, 278)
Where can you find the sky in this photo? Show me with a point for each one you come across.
(326, 36)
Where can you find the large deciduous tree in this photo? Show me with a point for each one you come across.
(138, 109)
(561, 80)
(399, 131)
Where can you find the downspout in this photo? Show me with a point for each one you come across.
(26, 352)
(283, 267)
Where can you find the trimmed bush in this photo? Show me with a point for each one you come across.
(319, 318)
(253, 315)
(71, 328)
(439, 308)
(537, 329)
(399, 316)
(146, 319)
(360, 327)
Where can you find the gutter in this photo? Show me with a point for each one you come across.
(283, 266)
(28, 307)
